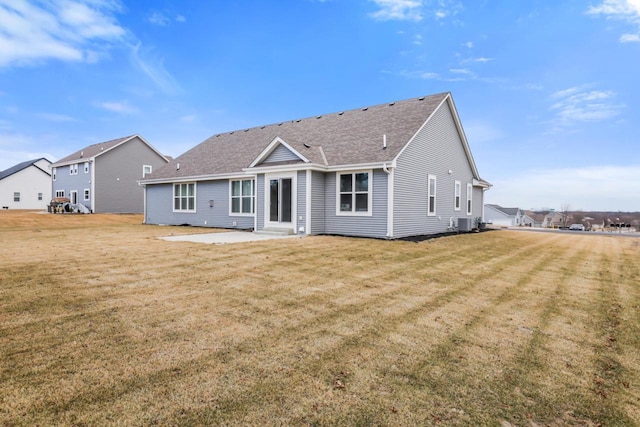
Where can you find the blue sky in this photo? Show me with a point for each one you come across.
(546, 90)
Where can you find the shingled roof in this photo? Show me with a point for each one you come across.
(94, 150)
(343, 138)
(20, 166)
(506, 211)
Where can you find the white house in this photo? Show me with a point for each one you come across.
(26, 185)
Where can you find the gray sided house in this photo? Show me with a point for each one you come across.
(104, 177)
(387, 171)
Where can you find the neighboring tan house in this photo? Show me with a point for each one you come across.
(388, 171)
(26, 185)
(503, 217)
(554, 220)
(104, 177)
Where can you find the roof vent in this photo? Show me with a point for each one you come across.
(341, 113)
(298, 121)
(319, 117)
(306, 145)
(101, 148)
(246, 130)
(82, 154)
(421, 98)
(231, 133)
(279, 124)
(391, 104)
(261, 127)
(178, 166)
(365, 108)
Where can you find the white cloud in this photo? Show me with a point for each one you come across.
(153, 67)
(181, 19)
(468, 45)
(579, 104)
(120, 107)
(67, 30)
(158, 18)
(400, 10)
(596, 188)
(55, 117)
(625, 10)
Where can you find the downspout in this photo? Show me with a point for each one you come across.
(390, 185)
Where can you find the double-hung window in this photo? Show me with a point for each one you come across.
(16, 196)
(184, 197)
(73, 169)
(354, 193)
(86, 167)
(87, 194)
(146, 170)
(59, 193)
(469, 200)
(243, 196)
(54, 172)
(457, 196)
(431, 195)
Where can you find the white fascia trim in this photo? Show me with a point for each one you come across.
(271, 147)
(92, 168)
(73, 162)
(285, 168)
(237, 175)
(481, 184)
(361, 166)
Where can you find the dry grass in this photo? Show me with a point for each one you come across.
(103, 323)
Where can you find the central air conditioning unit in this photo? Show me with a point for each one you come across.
(464, 224)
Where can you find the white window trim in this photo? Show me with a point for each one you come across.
(144, 173)
(429, 195)
(457, 196)
(369, 211)
(87, 192)
(86, 167)
(195, 198)
(16, 195)
(59, 193)
(40, 196)
(70, 169)
(253, 197)
(469, 199)
(54, 173)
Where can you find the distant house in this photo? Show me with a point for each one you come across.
(387, 171)
(104, 177)
(554, 220)
(26, 185)
(505, 217)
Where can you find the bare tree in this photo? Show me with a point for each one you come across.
(564, 212)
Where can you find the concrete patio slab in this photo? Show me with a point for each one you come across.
(226, 237)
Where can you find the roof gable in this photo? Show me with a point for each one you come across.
(21, 166)
(277, 151)
(92, 151)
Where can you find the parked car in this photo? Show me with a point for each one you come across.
(576, 227)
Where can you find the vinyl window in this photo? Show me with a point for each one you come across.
(184, 197)
(431, 195)
(59, 193)
(242, 197)
(16, 196)
(146, 170)
(87, 194)
(469, 200)
(457, 204)
(354, 193)
(86, 167)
